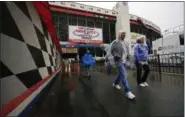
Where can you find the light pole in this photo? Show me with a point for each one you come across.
(162, 45)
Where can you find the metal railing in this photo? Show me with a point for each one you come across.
(162, 63)
(178, 29)
(170, 63)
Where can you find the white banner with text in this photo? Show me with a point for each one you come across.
(81, 34)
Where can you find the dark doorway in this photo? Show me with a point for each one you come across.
(82, 51)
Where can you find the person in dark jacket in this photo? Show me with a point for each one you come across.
(149, 46)
(141, 58)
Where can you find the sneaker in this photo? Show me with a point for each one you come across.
(87, 74)
(146, 84)
(130, 95)
(116, 86)
(142, 85)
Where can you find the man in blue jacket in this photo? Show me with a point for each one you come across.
(141, 58)
(88, 61)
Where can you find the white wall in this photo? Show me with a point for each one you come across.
(169, 44)
(123, 19)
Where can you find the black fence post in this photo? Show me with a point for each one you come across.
(159, 65)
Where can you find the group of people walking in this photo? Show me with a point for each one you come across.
(117, 54)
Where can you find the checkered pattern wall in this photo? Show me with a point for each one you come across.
(28, 53)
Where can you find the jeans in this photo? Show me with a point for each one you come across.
(140, 78)
(122, 77)
(109, 69)
(87, 69)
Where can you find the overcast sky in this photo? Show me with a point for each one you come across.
(164, 14)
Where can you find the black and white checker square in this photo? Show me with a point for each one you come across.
(10, 87)
(28, 52)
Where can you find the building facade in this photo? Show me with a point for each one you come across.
(67, 14)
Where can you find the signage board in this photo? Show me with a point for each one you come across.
(81, 34)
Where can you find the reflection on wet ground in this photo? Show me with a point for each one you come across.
(166, 78)
(78, 96)
(97, 109)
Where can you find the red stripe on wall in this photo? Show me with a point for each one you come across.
(45, 14)
(72, 11)
(149, 27)
(84, 41)
(94, 13)
(78, 12)
(7, 108)
(136, 23)
(110, 18)
(58, 9)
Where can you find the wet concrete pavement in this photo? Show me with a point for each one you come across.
(80, 97)
(160, 99)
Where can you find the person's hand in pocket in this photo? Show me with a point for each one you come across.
(140, 62)
(145, 63)
(116, 58)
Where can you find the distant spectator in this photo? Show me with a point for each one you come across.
(88, 61)
(149, 46)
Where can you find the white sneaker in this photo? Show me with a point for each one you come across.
(87, 74)
(146, 84)
(130, 95)
(142, 85)
(116, 86)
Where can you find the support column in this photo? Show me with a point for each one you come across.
(123, 20)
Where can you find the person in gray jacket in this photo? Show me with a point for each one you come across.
(120, 53)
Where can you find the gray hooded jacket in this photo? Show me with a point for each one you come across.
(120, 49)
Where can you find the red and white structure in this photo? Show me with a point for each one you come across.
(30, 55)
(109, 21)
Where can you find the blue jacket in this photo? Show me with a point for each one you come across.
(141, 52)
(88, 59)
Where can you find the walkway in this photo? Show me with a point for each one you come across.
(80, 97)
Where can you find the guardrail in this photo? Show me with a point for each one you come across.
(162, 63)
(170, 63)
